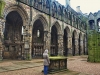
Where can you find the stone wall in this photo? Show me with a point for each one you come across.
(30, 15)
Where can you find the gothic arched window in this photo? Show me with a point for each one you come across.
(54, 9)
(65, 15)
(91, 24)
(47, 4)
(44, 2)
(59, 10)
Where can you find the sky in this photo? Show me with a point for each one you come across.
(86, 6)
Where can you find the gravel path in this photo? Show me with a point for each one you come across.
(77, 63)
(29, 71)
(80, 64)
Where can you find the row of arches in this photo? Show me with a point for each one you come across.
(56, 39)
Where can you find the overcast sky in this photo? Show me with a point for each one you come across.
(86, 6)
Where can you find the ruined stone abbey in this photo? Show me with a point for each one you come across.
(27, 30)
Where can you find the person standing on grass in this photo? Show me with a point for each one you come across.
(46, 61)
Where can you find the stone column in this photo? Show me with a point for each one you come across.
(81, 47)
(76, 46)
(1, 37)
(46, 40)
(23, 49)
(30, 40)
(22, 56)
(60, 45)
(1, 47)
(0, 42)
(49, 41)
(69, 46)
(26, 40)
(86, 50)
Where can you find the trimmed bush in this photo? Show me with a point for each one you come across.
(94, 46)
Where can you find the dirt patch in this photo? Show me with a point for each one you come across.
(71, 59)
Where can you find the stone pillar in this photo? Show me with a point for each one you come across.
(76, 46)
(49, 41)
(60, 45)
(69, 46)
(46, 40)
(0, 43)
(86, 50)
(1, 37)
(81, 44)
(30, 40)
(23, 49)
(26, 40)
(1, 47)
(22, 52)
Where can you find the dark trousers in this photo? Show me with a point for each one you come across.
(45, 70)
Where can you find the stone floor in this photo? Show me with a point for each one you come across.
(77, 65)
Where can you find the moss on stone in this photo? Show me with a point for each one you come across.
(57, 57)
(2, 5)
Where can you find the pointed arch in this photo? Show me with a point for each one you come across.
(75, 34)
(39, 35)
(68, 31)
(74, 42)
(15, 17)
(20, 10)
(80, 36)
(55, 31)
(91, 16)
(57, 25)
(66, 40)
(43, 20)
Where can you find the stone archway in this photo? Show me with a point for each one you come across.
(39, 36)
(54, 41)
(12, 36)
(55, 36)
(16, 17)
(20, 10)
(66, 41)
(37, 39)
(74, 43)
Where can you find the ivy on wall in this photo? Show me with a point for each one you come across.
(2, 5)
(93, 46)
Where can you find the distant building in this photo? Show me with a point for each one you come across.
(94, 37)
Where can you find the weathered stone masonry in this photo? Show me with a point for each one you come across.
(35, 29)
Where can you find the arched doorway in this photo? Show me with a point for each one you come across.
(12, 36)
(65, 42)
(80, 43)
(37, 39)
(54, 41)
(84, 44)
(74, 41)
(73, 45)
